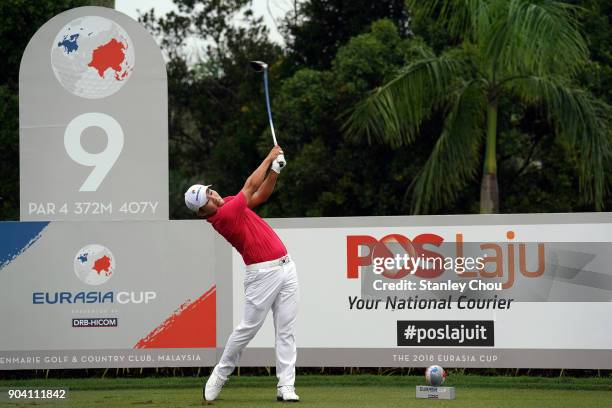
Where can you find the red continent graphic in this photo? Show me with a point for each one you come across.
(102, 264)
(110, 55)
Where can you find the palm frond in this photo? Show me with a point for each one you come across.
(463, 19)
(583, 120)
(394, 112)
(538, 36)
(455, 157)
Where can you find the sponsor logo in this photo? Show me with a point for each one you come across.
(51, 298)
(396, 256)
(94, 265)
(96, 322)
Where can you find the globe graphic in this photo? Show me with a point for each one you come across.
(94, 264)
(435, 375)
(92, 57)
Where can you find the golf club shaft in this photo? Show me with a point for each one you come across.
(268, 105)
(281, 158)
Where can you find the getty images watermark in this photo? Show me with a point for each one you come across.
(430, 273)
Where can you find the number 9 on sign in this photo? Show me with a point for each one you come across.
(102, 162)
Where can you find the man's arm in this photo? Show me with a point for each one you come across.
(257, 178)
(264, 191)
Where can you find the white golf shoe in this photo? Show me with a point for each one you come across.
(213, 386)
(287, 393)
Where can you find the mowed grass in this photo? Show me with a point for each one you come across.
(348, 391)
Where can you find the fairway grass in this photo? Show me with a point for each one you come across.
(331, 391)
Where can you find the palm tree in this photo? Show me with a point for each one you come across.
(529, 49)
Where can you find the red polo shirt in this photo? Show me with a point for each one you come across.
(252, 237)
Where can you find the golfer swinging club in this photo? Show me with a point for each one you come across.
(270, 280)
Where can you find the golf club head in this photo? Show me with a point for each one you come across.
(258, 66)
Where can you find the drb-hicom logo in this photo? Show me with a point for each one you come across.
(94, 265)
(396, 256)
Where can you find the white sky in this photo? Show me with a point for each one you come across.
(270, 9)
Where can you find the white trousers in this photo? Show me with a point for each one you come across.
(269, 285)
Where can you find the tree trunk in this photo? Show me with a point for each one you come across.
(489, 192)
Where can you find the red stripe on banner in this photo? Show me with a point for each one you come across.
(192, 325)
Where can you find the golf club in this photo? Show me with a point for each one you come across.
(259, 66)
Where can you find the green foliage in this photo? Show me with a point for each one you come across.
(456, 151)
(219, 132)
(395, 111)
(318, 28)
(370, 58)
(581, 119)
(531, 49)
(9, 154)
(552, 93)
(328, 174)
(216, 114)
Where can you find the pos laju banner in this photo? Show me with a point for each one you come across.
(528, 290)
(107, 294)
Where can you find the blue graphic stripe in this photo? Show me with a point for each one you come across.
(16, 237)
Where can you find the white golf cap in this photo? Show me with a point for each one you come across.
(196, 197)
